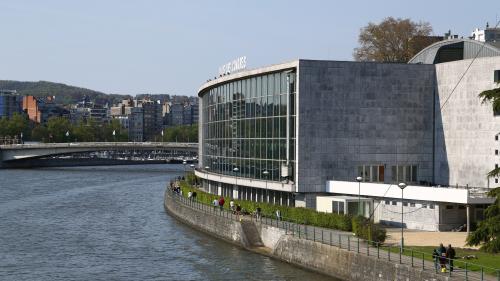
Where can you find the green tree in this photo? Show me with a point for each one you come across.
(187, 133)
(487, 233)
(57, 128)
(14, 126)
(392, 40)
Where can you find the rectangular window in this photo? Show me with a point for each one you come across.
(381, 170)
(496, 76)
(431, 206)
(449, 207)
(387, 202)
(412, 204)
(394, 203)
(405, 204)
(496, 151)
(424, 206)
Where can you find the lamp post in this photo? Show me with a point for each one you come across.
(206, 175)
(235, 170)
(402, 185)
(184, 162)
(359, 180)
(266, 173)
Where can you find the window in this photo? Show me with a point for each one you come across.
(431, 206)
(371, 173)
(403, 173)
(496, 76)
(496, 180)
(405, 204)
(412, 204)
(387, 202)
(424, 205)
(394, 203)
(496, 151)
(461, 207)
(496, 137)
(449, 207)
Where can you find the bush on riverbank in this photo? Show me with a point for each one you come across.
(361, 226)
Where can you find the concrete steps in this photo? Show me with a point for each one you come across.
(251, 234)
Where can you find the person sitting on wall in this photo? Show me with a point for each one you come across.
(194, 195)
(238, 211)
(231, 205)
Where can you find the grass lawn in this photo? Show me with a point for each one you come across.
(487, 260)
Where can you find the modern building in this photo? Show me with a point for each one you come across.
(291, 132)
(40, 110)
(10, 103)
(136, 124)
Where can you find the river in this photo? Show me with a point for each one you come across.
(108, 223)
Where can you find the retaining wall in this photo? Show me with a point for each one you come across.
(329, 260)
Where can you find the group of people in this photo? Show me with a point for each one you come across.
(443, 257)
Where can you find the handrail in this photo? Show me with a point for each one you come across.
(413, 258)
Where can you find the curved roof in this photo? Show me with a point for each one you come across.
(454, 49)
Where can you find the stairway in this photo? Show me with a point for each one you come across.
(251, 235)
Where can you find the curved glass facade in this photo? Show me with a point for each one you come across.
(245, 127)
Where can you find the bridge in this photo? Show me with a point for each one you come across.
(15, 154)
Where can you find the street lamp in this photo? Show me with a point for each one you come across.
(184, 162)
(402, 185)
(235, 170)
(206, 174)
(359, 180)
(266, 173)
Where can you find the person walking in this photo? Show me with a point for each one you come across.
(194, 195)
(450, 255)
(215, 203)
(435, 258)
(258, 213)
(221, 203)
(442, 257)
(190, 195)
(278, 214)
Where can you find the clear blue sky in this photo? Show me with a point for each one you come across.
(172, 47)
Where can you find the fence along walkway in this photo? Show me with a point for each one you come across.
(462, 270)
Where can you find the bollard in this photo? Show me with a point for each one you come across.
(358, 245)
(449, 267)
(411, 257)
(322, 236)
(314, 234)
(368, 248)
(466, 273)
(378, 250)
(299, 232)
(331, 238)
(348, 243)
(482, 274)
(389, 252)
(340, 241)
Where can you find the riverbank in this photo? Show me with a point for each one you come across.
(340, 256)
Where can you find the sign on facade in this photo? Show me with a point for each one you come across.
(233, 66)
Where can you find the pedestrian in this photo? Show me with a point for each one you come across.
(231, 205)
(238, 211)
(442, 257)
(258, 213)
(221, 203)
(450, 255)
(215, 203)
(278, 214)
(190, 195)
(435, 258)
(194, 195)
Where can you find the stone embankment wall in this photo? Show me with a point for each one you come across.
(329, 260)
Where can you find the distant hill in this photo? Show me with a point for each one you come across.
(64, 94)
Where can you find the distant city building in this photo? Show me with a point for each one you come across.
(153, 120)
(10, 103)
(488, 35)
(85, 110)
(32, 109)
(176, 115)
(136, 124)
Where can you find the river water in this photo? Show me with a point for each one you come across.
(108, 223)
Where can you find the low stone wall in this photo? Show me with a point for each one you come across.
(329, 260)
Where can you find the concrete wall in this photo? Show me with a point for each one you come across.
(330, 260)
(353, 114)
(465, 128)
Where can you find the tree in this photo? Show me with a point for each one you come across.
(492, 96)
(487, 233)
(393, 40)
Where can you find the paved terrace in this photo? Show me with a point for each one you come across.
(25, 151)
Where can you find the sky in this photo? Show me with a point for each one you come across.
(172, 47)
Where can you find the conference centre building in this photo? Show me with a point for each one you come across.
(340, 136)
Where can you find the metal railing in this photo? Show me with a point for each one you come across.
(461, 270)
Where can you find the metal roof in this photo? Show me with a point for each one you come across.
(454, 49)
